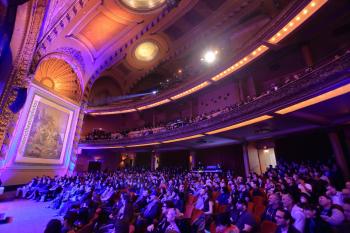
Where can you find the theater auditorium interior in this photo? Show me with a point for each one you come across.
(174, 116)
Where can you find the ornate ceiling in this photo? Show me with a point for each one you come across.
(127, 40)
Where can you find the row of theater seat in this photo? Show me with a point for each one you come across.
(256, 207)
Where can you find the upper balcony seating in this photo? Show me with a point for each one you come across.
(293, 86)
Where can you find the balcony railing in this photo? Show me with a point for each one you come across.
(305, 84)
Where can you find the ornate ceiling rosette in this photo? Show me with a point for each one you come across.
(148, 52)
(142, 6)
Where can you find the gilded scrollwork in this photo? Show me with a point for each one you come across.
(20, 74)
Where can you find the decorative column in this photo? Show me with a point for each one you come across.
(192, 159)
(155, 160)
(253, 158)
(132, 157)
(251, 89)
(246, 159)
(242, 93)
(339, 155)
(307, 55)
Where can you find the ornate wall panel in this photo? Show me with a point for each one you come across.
(19, 76)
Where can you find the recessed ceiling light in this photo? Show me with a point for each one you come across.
(210, 56)
(146, 51)
(143, 5)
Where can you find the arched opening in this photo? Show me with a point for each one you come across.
(58, 76)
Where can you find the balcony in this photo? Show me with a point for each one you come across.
(295, 88)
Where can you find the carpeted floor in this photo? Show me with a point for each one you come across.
(26, 216)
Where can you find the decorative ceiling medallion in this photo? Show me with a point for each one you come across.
(146, 51)
(143, 5)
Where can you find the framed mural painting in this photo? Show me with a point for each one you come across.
(45, 132)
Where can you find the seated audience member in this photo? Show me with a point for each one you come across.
(336, 196)
(170, 217)
(313, 222)
(125, 210)
(304, 187)
(223, 224)
(296, 212)
(223, 197)
(255, 191)
(284, 222)
(148, 213)
(304, 200)
(68, 221)
(345, 226)
(54, 226)
(330, 213)
(208, 209)
(161, 225)
(242, 218)
(141, 201)
(273, 205)
(179, 201)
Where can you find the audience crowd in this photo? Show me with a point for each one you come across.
(288, 198)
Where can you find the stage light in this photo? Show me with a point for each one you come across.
(154, 92)
(210, 56)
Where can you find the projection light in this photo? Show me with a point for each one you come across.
(210, 56)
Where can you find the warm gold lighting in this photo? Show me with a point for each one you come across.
(113, 112)
(189, 91)
(100, 147)
(143, 5)
(239, 64)
(57, 75)
(146, 144)
(301, 17)
(153, 105)
(146, 51)
(241, 124)
(183, 139)
(326, 96)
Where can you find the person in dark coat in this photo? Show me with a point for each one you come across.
(284, 222)
(54, 226)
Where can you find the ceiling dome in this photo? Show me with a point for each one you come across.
(143, 5)
(146, 51)
(57, 75)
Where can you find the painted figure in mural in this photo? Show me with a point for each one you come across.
(47, 133)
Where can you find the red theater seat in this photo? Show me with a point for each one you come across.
(268, 227)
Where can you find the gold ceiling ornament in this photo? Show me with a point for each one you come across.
(143, 5)
(146, 51)
(57, 75)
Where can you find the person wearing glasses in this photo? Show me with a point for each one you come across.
(284, 222)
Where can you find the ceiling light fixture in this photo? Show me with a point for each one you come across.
(210, 56)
